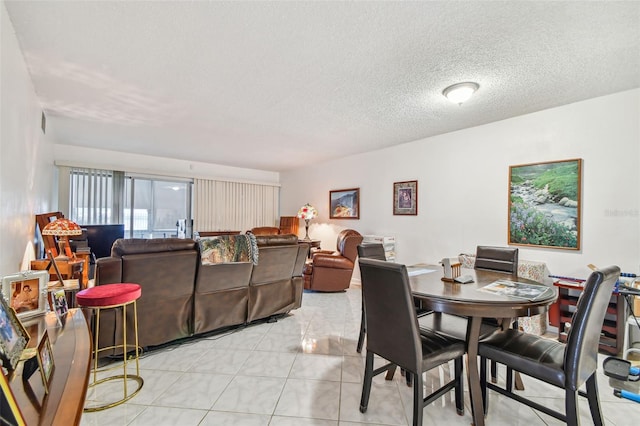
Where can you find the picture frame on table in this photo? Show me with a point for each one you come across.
(26, 292)
(545, 203)
(45, 360)
(59, 302)
(13, 336)
(405, 198)
(9, 408)
(344, 204)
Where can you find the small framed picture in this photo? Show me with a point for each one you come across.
(344, 204)
(26, 292)
(11, 413)
(59, 302)
(45, 360)
(13, 336)
(405, 198)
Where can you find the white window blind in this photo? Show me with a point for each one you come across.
(96, 196)
(226, 206)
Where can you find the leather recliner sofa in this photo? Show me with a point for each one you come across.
(331, 270)
(182, 297)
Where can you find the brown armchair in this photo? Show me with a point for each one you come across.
(332, 270)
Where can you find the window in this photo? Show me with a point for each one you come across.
(161, 206)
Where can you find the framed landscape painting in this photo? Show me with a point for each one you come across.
(545, 204)
(344, 204)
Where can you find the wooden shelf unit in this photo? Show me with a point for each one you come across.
(612, 335)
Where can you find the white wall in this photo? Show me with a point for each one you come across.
(68, 155)
(26, 165)
(463, 185)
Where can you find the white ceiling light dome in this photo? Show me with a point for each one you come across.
(460, 92)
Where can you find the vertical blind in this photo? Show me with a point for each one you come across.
(220, 206)
(96, 196)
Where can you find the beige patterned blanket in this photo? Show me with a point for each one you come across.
(228, 249)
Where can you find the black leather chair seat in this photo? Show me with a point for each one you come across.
(527, 353)
(451, 325)
(438, 349)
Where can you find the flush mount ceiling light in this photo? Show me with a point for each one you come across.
(460, 92)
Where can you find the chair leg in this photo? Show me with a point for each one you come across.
(509, 379)
(494, 372)
(483, 384)
(366, 384)
(571, 407)
(363, 330)
(459, 389)
(418, 401)
(594, 401)
(391, 371)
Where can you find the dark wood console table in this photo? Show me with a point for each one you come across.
(71, 345)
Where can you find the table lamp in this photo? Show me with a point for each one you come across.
(62, 228)
(307, 212)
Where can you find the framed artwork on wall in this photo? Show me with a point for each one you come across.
(405, 198)
(545, 204)
(26, 292)
(344, 204)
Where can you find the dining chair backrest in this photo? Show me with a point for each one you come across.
(503, 259)
(581, 351)
(392, 325)
(372, 251)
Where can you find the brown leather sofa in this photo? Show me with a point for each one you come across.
(332, 270)
(181, 297)
(265, 230)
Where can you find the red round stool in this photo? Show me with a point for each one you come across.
(111, 296)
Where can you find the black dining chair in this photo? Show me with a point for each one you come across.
(567, 366)
(500, 259)
(393, 334)
(369, 251)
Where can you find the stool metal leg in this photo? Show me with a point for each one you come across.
(125, 376)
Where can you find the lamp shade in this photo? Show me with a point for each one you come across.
(62, 227)
(307, 212)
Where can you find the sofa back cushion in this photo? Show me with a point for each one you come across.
(124, 246)
(166, 270)
(276, 240)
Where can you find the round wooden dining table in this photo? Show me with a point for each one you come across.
(475, 303)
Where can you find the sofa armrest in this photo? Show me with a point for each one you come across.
(331, 261)
(108, 270)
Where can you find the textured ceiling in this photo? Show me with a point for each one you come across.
(276, 85)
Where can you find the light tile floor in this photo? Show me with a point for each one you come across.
(304, 370)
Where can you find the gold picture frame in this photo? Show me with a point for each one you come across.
(344, 204)
(405, 198)
(545, 204)
(9, 408)
(45, 360)
(26, 292)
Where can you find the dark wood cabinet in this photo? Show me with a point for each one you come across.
(612, 334)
